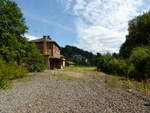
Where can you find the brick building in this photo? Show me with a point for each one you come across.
(51, 52)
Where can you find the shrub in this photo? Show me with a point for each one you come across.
(140, 59)
(3, 76)
(102, 62)
(9, 71)
(34, 60)
(117, 66)
(128, 84)
(112, 65)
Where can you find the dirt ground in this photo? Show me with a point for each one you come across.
(63, 92)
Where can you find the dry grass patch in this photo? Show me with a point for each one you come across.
(75, 72)
(113, 81)
(83, 69)
(65, 75)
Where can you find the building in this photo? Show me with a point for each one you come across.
(51, 52)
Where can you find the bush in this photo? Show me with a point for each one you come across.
(112, 65)
(117, 66)
(35, 61)
(9, 71)
(102, 62)
(140, 61)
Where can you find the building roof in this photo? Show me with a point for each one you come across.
(47, 39)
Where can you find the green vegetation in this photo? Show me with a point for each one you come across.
(34, 59)
(140, 59)
(120, 81)
(134, 59)
(84, 57)
(113, 81)
(10, 71)
(16, 52)
(139, 35)
(111, 65)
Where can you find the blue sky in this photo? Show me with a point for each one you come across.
(94, 25)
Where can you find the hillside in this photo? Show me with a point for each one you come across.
(79, 56)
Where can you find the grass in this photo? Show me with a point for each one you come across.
(62, 75)
(113, 81)
(26, 78)
(75, 72)
(117, 81)
(83, 69)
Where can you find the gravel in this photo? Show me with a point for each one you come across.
(47, 94)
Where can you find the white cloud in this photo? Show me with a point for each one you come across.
(102, 24)
(31, 37)
(100, 39)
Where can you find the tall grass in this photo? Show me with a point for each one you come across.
(118, 81)
(10, 71)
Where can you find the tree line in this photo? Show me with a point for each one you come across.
(83, 57)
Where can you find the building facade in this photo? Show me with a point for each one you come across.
(51, 52)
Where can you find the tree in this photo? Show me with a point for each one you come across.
(139, 34)
(34, 60)
(140, 59)
(12, 28)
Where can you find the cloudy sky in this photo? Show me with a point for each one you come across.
(93, 25)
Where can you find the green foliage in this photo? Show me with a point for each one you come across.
(13, 46)
(137, 66)
(70, 51)
(139, 34)
(140, 59)
(12, 27)
(128, 84)
(102, 62)
(34, 60)
(108, 63)
(9, 71)
(135, 52)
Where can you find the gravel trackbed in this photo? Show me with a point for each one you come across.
(45, 93)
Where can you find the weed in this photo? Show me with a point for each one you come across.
(128, 84)
(113, 81)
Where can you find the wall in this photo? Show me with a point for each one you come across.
(50, 48)
(56, 51)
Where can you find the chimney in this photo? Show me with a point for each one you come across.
(49, 37)
(44, 44)
(44, 38)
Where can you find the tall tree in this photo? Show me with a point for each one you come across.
(12, 28)
(139, 34)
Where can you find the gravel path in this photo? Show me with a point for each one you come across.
(47, 94)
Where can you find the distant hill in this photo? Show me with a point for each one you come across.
(79, 56)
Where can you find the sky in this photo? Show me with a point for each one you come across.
(93, 25)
